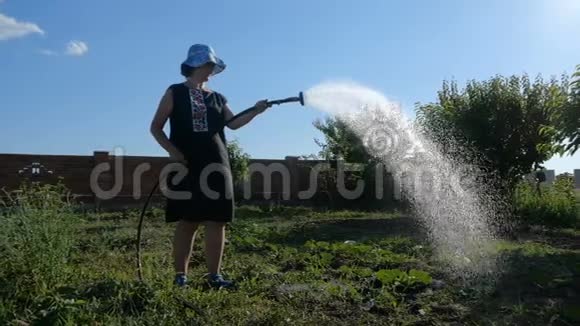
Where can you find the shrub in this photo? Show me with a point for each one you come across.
(240, 165)
(36, 239)
(551, 206)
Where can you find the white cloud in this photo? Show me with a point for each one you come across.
(73, 48)
(11, 28)
(47, 52)
(76, 48)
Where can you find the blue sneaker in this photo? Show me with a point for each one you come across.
(180, 280)
(217, 281)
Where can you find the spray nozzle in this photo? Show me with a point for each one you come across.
(299, 98)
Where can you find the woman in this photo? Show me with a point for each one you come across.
(197, 116)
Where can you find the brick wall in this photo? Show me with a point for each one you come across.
(75, 173)
(74, 170)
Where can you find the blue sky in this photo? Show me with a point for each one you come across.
(78, 76)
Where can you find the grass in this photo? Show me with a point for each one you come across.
(299, 267)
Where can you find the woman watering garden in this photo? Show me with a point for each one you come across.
(196, 117)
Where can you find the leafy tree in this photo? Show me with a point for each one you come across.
(340, 142)
(239, 161)
(567, 129)
(499, 120)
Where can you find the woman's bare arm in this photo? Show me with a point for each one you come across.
(161, 116)
(260, 107)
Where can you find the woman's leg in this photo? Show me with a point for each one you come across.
(214, 245)
(183, 245)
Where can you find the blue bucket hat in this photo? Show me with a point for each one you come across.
(200, 54)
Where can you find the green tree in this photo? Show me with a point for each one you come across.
(567, 129)
(500, 121)
(239, 161)
(340, 142)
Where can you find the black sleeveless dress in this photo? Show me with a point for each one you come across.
(196, 130)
